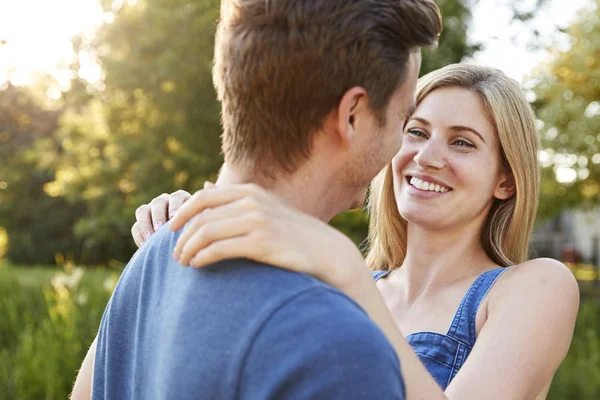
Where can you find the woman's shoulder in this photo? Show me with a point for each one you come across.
(529, 299)
(540, 280)
(551, 272)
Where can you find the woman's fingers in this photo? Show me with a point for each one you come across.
(236, 247)
(137, 235)
(151, 217)
(158, 211)
(230, 210)
(220, 229)
(214, 197)
(176, 200)
(243, 208)
(143, 218)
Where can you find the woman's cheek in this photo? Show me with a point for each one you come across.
(404, 156)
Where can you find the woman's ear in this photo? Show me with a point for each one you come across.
(506, 186)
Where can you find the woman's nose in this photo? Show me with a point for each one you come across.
(431, 155)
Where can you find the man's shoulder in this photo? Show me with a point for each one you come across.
(269, 290)
(323, 310)
(320, 344)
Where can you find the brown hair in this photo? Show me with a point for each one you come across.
(507, 228)
(282, 65)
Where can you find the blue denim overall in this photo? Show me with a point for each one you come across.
(444, 355)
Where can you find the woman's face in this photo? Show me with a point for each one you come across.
(448, 169)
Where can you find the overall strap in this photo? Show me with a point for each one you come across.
(377, 275)
(463, 324)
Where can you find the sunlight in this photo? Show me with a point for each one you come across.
(565, 174)
(509, 51)
(544, 157)
(35, 36)
(3, 242)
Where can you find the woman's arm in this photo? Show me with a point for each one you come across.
(529, 327)
(82, 389)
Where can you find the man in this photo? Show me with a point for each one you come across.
(314, 96)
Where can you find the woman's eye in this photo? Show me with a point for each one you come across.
(415, 133)
(464, 143)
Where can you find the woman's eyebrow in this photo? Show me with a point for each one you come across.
(456, 128)
(421, 120)
(460, 128)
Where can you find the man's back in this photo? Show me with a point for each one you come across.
(238, 330)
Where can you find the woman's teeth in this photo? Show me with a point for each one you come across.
(423, 185)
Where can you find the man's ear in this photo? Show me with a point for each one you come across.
(352, 106)
(506, 186)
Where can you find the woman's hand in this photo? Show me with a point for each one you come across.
(247, 221)
(151, 217)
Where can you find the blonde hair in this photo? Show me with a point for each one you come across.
(507, 228)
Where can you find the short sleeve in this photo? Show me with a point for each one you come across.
(320, 345)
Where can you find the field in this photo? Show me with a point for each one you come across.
(50, 315)
(48, 319)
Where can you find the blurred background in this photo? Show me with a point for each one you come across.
(106, 104)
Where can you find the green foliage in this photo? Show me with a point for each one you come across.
(567, 93)
(152, 128)
(49, 319)
(578, 378)
(38, 224)
(453, 44)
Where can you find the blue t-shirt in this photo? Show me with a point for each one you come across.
(236, 330)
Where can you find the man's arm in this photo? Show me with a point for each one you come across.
(320, 345)
(82, 390)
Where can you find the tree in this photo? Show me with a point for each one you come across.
(567, 92)
(453, 43)
(38, 225)
(150, 126)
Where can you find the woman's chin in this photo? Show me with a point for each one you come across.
(427, 219)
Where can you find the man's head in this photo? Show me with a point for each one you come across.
(282, 67)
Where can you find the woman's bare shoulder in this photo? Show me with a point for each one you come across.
(539, 282)
(550, 272)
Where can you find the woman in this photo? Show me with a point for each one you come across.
(451, 217)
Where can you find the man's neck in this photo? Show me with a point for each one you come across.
(302, 190)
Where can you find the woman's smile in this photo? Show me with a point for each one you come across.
(425, 187)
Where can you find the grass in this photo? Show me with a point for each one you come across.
(49, 318)
(40, 276)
